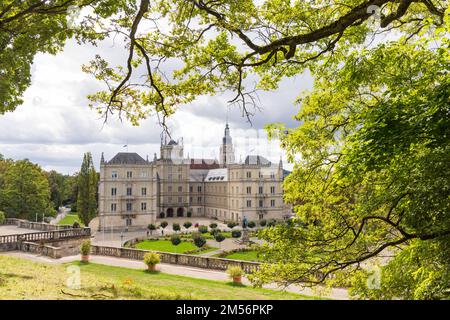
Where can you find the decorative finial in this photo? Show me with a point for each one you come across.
(102, 160)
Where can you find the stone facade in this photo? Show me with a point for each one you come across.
(134, 192)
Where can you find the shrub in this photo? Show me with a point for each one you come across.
(251, 224)
(187, 224)
(151, 259)
(175, 239)
(199, 240)
(235, 271)
(75, 225)
(236, 234)
(203, 229)
(161, 215)
(151, 227)
(231, 224)
(271, 223)
(219, 237)
(213, 232)
(164, 224)
(176, 227)
(213, 225)
(189, 214)
(85, 247)
(262, 222)
(2, 217)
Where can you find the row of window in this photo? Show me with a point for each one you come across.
(144, 174)
(199, 189)
(129, 191)
(129, 206)
(248, 175)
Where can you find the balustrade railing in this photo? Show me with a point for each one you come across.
(176, 258)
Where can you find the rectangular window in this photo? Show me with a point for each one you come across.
(169, 177)
(261, 204)
(199, 188)
(272, 175)
(272, 190)
(249, 190)
(199, 210)
(180, 189)
(249, 174)
(169, 200)
(113, 207)
(199, 199)
(114, 175)
(144, 191)
(190, 199)
(180, 199)
(113, 191)
(129, 192)
(144, 174)
(249, 203)
(191, 189)
(180, 177)
(272, 203)
(129, 174)
(169, 188)
(129, 206)
(144, 206)
(260, 190)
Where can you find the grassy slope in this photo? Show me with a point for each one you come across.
(23, 279)
(70, 219)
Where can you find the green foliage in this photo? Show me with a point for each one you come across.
(76, 225)
(85, 248)
(262, 222)
(187, 224)
(219, 237)
(151, 227)
(374, 174)
(175, 239)
(213, 225)
(231, 224)
(152, 258)
(199, 240)
(176, 227)
(235, 271)
(163, 224)
(87, 190)
(236, 233)
(2, 217)
(24, 190)
(251, 224)
(202, 229)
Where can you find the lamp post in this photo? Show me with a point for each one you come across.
(121, 239)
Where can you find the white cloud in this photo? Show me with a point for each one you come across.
(55, 126)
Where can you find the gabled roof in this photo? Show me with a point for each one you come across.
(204, 164)
(172, 143)
(127, 158)
(257, 160)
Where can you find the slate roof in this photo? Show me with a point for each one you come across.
(172, 143)
(127, 158)
(217, 175)
(258, 160)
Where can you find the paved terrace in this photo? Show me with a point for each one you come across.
(6, 230)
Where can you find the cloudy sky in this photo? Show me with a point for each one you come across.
(55, 126)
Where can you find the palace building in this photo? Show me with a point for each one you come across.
(134, 192)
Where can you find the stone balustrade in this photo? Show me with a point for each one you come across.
(35, 225)
(178, 259)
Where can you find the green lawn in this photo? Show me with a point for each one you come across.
(69, 219)
(244, 255)
(24, 279)
(165, 246)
